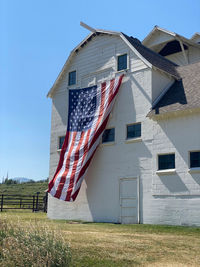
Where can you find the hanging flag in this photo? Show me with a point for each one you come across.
(88, 114)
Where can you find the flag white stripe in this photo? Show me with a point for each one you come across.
(66, 185)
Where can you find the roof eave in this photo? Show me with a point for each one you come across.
(169, 114)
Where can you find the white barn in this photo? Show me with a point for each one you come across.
(147, 168)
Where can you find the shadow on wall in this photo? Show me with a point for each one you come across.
(140, 87)
(174, 96)
(174, 184)
(121, 160)
(103, 178)
(60, 103)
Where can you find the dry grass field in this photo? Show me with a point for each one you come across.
(102, 244)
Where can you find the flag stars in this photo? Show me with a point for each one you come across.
(82, 107)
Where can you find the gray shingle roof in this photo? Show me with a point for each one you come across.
(183, 94)
(155, 59)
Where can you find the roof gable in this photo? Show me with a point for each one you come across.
(159, 36)
(156, 37)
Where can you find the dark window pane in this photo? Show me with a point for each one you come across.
(122, 62)
(166, 162)
(61, 141)
(108, 135)
(133, 131)
(194, 159)
(72, 78)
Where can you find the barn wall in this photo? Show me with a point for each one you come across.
(175, 197)
(98, 199)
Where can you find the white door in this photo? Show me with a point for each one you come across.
(128, 200)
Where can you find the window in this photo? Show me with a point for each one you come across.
(133, 131)
(166, 161)
(122, 62)
(72, 78)
(108, 135)
(61, 141)
(195, 159)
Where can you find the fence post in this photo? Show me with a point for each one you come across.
(37, 198)
(45, 199)
(2, 202)
(20, 203)
(33, 203)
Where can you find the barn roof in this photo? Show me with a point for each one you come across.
(150, 58)
(183, 95)
(195, 37)
(154, 58)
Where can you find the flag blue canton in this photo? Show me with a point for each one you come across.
(82, 107)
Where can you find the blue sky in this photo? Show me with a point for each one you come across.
(36, 37)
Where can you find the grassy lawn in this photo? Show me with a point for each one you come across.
(102, 244)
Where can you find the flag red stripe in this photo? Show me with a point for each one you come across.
(60, 164)
(83, 170)
(76, 158)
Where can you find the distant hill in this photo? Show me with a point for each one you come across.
(24, 188)
(21, 179)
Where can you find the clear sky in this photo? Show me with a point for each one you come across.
(36, 37)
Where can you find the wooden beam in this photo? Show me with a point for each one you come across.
(87, 27)
(183, 50)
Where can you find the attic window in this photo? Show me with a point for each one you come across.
(122, 62)
(72, 78)
(171, 48)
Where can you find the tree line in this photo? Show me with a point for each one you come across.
(8, 181)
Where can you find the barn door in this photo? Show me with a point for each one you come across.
(129, 200)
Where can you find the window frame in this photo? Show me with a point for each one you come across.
(127, 61)
(109, 142)
(169, 170)
(75, 77)
(58, 144)
(193, 168)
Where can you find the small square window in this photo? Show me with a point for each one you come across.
(195, 159)
(166, 162)
(61, 141)
(72, 78)
(108, 135)
(122, 62)
(133, 131)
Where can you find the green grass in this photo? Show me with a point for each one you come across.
(103, 244)
(24, 189)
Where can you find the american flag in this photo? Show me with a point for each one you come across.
(88, 114)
